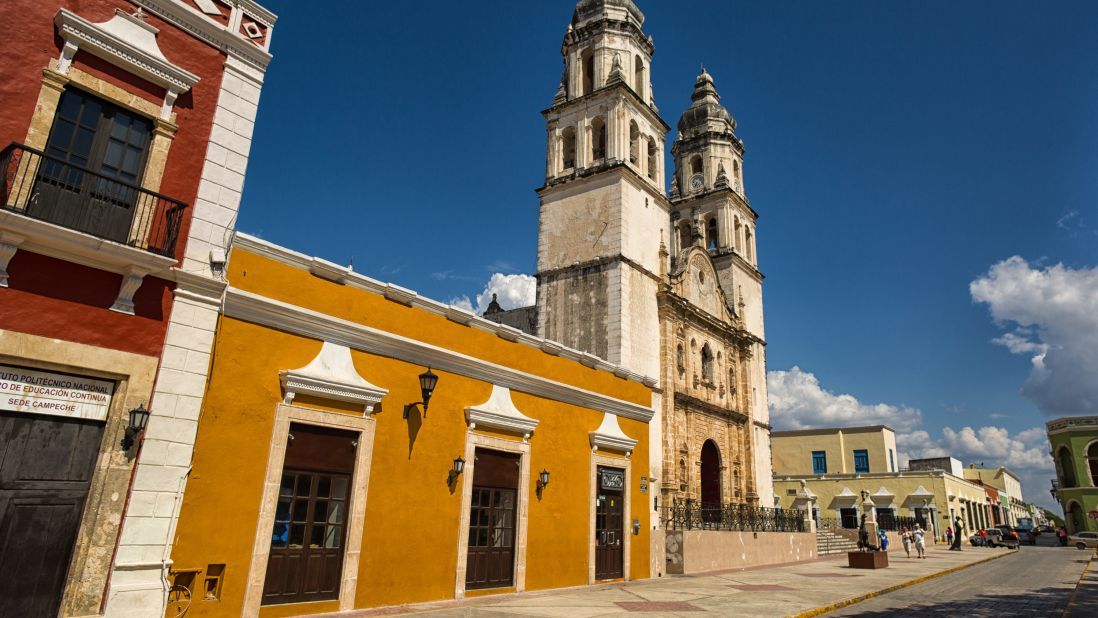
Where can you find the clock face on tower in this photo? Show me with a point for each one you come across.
(696, 182)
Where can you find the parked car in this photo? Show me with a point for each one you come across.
(994, 537)
(1007, 537)
(1083, 540)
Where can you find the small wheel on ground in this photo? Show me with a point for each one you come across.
(1081, 545)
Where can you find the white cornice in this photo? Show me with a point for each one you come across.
(80, 248)
(126, 42)
(610, 437)
(456, 314)
(500, 413)
(332, 375)
(202, 27)
(258, 309)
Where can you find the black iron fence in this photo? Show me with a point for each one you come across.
(885, 521)
(695, 515)
(50, 189)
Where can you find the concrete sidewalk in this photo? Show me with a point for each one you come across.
(1085, 600)
(801, 589)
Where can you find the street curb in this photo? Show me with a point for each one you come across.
(819, 611)
(1075, 593)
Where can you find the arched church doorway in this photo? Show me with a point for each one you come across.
(710, 481)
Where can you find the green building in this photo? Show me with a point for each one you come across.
(1074, 441)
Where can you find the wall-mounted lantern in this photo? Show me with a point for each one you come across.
(543, 480)
(427, 382)
(139, 417)
(459, 467)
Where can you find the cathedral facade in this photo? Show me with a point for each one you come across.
(664, 283)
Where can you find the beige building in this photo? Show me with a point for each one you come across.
(838, 465)
(843, 450)
(1009, 487)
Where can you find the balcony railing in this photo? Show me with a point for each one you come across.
(694, 515)
(50, 189)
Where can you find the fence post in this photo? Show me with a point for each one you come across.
(805, 502)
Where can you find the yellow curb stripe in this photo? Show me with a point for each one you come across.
(1075, 593)
(876, 593)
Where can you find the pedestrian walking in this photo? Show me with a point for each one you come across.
(905, 538)
(920, 541)
(949, 535)
(1062, 535)
(983, 537)
(884, 540)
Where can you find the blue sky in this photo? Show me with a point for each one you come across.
(896, 153)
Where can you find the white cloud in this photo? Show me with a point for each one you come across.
(511, 291)
(1053, 314)
(797, 401)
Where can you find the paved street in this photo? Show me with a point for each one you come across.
(1035, 581)
(764, 592)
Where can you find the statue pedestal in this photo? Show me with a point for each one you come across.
(867, 559)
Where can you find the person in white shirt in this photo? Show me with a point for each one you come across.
(920, 541)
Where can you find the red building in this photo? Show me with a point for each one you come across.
(125, 129)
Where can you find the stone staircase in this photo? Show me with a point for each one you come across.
(829, 543)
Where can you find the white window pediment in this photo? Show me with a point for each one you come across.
(500, 413)
(127, 42)
(610, 437)
(332, 375)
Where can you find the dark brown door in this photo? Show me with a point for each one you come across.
(93, 135)
(310, 527)
(46, 465)
(710, 482)
(491, 557)
(609, 527)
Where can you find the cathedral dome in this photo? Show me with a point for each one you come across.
(706, 113)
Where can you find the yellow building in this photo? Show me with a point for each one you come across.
(839, 450)
(324, 479)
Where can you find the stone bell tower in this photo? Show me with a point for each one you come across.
(708, 198)
(603, 209)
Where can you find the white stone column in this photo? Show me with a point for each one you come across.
(138, 578)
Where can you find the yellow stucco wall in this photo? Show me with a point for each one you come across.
(410, 540)
(792, 454)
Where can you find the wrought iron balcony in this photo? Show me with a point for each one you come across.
(50, 189)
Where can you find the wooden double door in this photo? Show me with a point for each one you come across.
(609, 523)
(46, 467)
(310, 524)
(490, 561)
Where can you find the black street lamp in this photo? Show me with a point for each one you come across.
(139, 417)
(427, 382)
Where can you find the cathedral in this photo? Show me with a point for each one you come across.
(664, 283)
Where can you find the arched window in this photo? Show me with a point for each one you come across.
(1092, 463)
(739, 243)
(638, 76)
(737, 179)
(598, 139)
(587, 60)
(680, 359)
(652, 158)
(747, 244)
(1067, 467)
(634, 142)
(696, 165)
(684, 235)
(710, 481)
(568, 135)
(711, 238)
(707, 363)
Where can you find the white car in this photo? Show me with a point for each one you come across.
(1083, 540)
